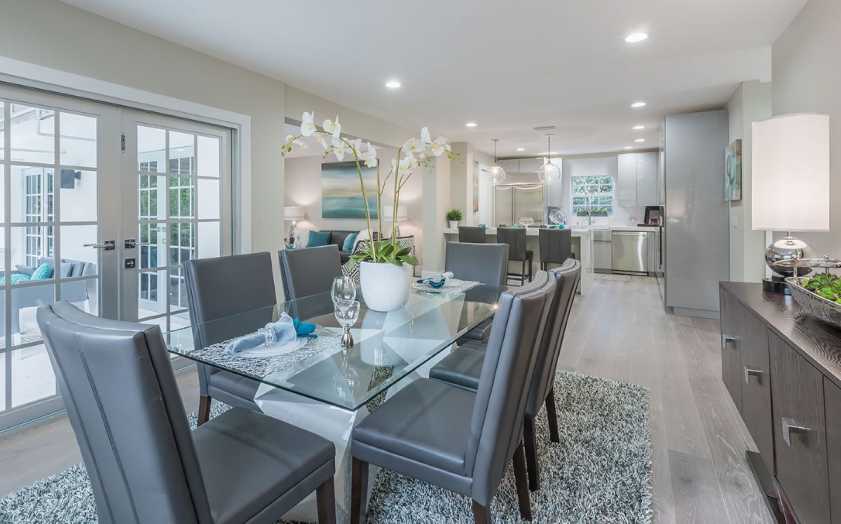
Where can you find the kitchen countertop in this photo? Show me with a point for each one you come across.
(531, 231)
(633, 228)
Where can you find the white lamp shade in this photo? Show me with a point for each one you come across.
(388, 213)
(790, 174)
(293, 212)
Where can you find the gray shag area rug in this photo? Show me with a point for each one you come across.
(600, 472)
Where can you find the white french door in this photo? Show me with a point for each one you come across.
(100, 206)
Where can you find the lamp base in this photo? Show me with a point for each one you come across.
(775, 284)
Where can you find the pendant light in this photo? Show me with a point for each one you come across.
(496, 170)
(549, 171)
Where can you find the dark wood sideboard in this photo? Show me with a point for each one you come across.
(784, 375)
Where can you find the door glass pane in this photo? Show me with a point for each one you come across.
(32, 194)
(182, 243)
(2, 194)
(151, 150)
(83, 294)
(33, 132)
(179, 321)
(78, 140)
(181, 196)
(208, 156)
(26, 299)
(31, 246)
(151, 196)
(208, 198)
(78, 195)
(2, 321)
(177, 290)
(181, 153)
(151, 295)
(78, 260)
(209, 240)
(152, 245)
(32, 375)
(2, 141)
(3, 357)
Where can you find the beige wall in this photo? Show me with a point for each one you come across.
(807, 78)
(750, 103)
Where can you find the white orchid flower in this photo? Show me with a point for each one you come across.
(439, 147)
(408, 162)
(411, 145)
(308, 124)
(322, 141)
(357, 145)
(370, 156)
(333, 128)
(424, 136)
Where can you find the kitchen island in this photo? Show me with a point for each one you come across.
(581, 246)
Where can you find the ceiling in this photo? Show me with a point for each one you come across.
(509, 66)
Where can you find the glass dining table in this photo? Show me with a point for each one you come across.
(316, 384)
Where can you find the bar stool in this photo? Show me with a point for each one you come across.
(515, 237)
(555, 246)
(472, 234)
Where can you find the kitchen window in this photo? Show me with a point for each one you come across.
(592, 195)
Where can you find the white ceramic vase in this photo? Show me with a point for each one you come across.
(385, 287)
(453, 224)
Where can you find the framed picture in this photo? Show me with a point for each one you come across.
(733, 171)
(341, 196)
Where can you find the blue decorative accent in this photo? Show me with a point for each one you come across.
(318, 238)
(16, 277)
(43, 272)
(304, 329)
(347, 245)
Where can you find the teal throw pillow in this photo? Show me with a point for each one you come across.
(318, 238)
(43, 272)
(347, 245)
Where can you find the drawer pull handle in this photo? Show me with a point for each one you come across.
(749, 372)
(728, 339)
(791, 426)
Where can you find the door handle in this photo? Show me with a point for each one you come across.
(728, 339)
(749, 372)
(108, 245)
(789, 426)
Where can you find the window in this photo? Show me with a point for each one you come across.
(592, 195)
(38, 189)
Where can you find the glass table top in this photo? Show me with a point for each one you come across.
(388, 346)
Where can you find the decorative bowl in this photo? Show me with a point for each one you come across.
(813, 304)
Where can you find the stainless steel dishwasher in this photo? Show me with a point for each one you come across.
(630, 251)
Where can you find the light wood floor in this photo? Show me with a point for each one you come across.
(619, 330)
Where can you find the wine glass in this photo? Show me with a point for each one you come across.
(343, 290)
(347, 312)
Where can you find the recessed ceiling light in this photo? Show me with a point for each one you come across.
(471, 124)
(393, 84)
(521, 149)
(638, 128)
(626, 148)
(639, 140)
(637, 105)
(635, 38)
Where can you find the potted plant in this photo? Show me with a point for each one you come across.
(453, 218)
(384, 267)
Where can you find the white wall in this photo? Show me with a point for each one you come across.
(807, 78)
(750, 103)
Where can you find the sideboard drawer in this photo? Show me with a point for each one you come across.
(756, 385)
(833, 446)
(731, 359)
(800, 432)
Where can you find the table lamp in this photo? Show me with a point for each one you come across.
(292, 214)
(790, 187)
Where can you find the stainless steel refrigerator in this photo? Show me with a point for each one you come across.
(697, 246)
(515, 201)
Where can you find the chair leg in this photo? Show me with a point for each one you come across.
(358, 491)
(522, 483)
(325, 497)
(552, 415)
(481, 514)
(204, 410)
(530, 443)
(531, 269)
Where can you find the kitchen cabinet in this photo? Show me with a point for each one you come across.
(784, 376)
(637, 179)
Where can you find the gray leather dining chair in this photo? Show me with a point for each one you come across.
(308, 271)
(555, 246)
(458, 439)
(144, 463)
(472, 234)
(485, 263)
(240, 286)
(463, 367)
(515, 237)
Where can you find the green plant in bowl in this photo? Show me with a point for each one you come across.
(454, 215)
(825, 286)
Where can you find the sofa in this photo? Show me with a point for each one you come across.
(25, 296)
(337, 237)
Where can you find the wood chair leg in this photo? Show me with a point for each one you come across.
(552, 415)
(481, 514)
(530, 443)
(358, 491)
(204, 410)
(522, 483)
(325, 498)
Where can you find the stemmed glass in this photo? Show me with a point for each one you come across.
(347, 312)
(343, 290)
